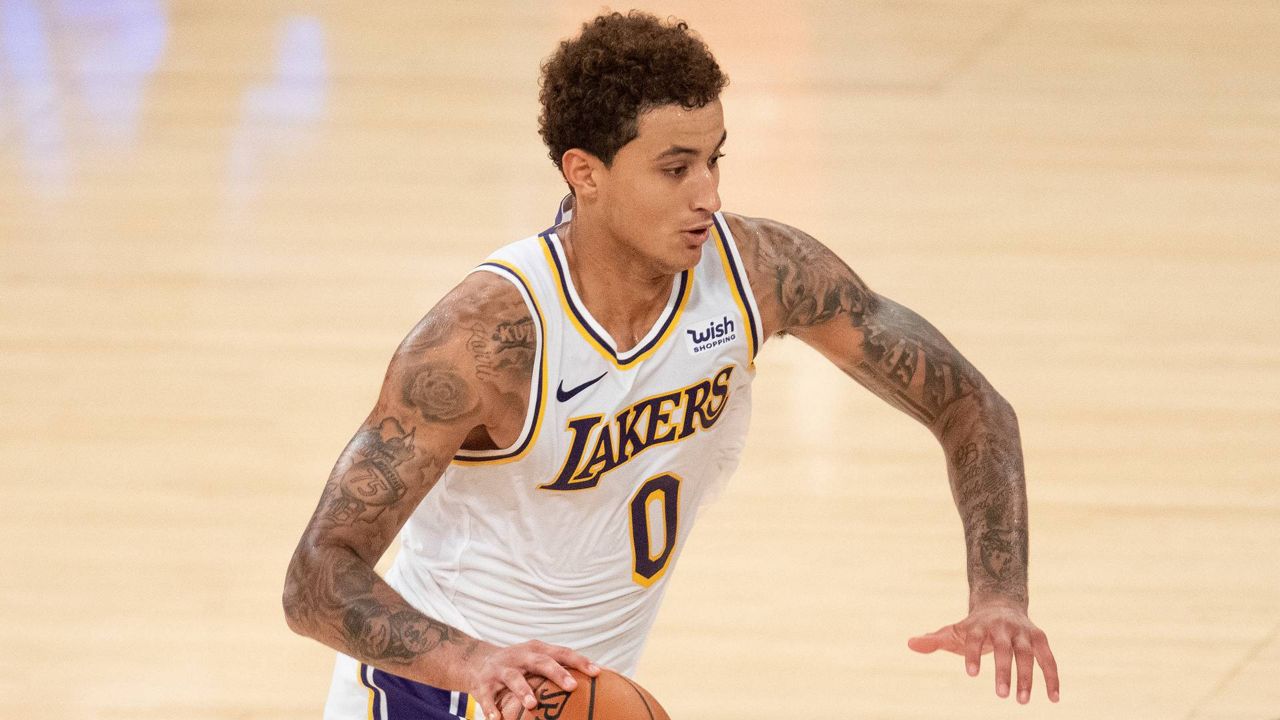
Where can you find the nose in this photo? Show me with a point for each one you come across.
(706, 197)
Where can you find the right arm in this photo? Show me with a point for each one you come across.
(461, 377)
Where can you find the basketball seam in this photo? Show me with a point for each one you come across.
(591, 706)
(640, 694)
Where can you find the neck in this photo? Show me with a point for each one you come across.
(623, 290)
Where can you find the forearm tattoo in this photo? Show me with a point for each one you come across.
(373, 630)
(906, 361)
(335, 593)
(988, 482)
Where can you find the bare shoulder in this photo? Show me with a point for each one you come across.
(798, 282)
(469, 359)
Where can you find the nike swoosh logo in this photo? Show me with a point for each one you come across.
(562, 395)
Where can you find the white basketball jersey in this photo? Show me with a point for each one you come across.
(570, 534)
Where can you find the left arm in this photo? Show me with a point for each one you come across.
(804, 290)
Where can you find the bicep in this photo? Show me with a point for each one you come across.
(806, 290)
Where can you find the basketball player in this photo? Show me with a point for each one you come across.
(546, 434)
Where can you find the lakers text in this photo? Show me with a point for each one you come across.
(658, 420)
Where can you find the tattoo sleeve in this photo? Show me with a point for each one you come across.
(465, 368)
(903, 359)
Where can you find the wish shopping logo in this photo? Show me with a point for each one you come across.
(710, 334)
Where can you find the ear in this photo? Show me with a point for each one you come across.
(582, 171)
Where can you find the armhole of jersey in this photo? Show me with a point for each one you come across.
(736, 274)
(537, 383)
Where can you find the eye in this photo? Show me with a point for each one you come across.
(676, 171)
(715, 159)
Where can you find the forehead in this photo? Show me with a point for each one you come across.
(668, 125)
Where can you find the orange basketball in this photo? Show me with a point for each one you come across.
(608, 696)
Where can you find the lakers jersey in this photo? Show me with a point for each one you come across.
(570, 534)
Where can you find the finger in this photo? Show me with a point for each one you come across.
(519, 686)
(1048, 665)
(1026, 663)
(569, 658)
(1004, 662)
(488, 697)
(973, 650)
(488, 707)
(509, 707)
(550, 669)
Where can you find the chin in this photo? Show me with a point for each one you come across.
(674, 258)
(695, 256)
(685, 259)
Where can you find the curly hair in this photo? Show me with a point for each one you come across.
(596, 86)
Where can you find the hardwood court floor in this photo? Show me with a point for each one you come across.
(218, 219)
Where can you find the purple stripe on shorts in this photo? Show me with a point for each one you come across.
(409, 700)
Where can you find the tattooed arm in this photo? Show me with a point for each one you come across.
(804, 290)
(460, 379)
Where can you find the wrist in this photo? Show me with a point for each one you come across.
(992, 598)
(471, 664)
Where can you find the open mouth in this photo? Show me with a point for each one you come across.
(697, 235)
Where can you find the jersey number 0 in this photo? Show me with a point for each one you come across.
(652, 554)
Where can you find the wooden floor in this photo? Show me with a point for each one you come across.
(217, 219)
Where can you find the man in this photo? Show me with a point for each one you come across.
(547, 432)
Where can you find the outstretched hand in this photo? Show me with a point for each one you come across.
(1008, 631)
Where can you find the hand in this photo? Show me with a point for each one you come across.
(1006, 629)
(498, 678)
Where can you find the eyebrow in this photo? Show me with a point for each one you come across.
(679, 150)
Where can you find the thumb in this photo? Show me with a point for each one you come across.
(924, 643)
(942, 639)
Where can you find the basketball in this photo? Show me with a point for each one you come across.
(608, 696)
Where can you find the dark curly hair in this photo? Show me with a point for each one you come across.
(596, 86)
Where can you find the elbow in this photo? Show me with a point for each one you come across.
(313, 586)
(293, 615)
(1003, 408)
(985, 407)
(994, 411)
(294, 599)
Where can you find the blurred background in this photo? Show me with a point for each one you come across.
(217, 220)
